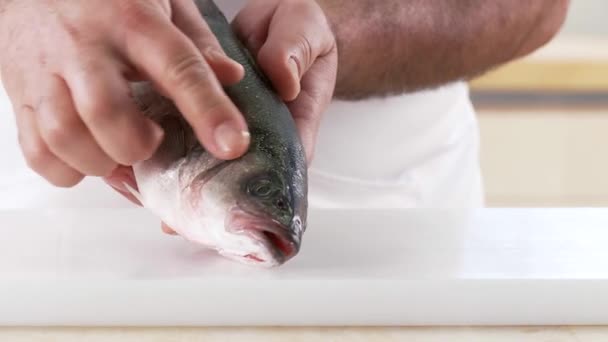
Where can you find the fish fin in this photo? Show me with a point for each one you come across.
(134, 192)
(177, 142)
(201, 179)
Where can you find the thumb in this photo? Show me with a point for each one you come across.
(297, 36)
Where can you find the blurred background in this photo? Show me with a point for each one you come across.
(544, 119)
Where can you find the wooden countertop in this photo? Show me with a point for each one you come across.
(567, 63)
(431, 334)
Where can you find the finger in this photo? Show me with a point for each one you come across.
(102, 98)
(297, 36)
(38, 156)
(66, 135)
(317, 92)
(251, 24)
(188, 19)
(167, 230)
(307, 125)
(12, 81)
(120, 176)
(175, 65)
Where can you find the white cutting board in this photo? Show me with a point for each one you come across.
(412, 267)
(79, 257)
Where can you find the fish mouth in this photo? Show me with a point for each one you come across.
(274, 236)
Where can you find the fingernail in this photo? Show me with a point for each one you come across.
(229, 137)
(157, 133)
(120, 186)
(294, 68)
(215, 55)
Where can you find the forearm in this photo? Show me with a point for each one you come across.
(396, 46)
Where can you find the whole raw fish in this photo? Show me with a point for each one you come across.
(252, 209)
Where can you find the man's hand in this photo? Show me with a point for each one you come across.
(295, 46)
(66, 65)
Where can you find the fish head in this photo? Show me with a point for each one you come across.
(256, 208)
(252, 208)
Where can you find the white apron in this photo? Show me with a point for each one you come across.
(414, 150)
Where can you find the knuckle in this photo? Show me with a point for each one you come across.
(217, 110)
(96, 101)
(310, 106)
(305, 47)
(37, 155)
(59, 131)
(187, 72)
(72, 30)
(139, 148)
(207, 42)
(136, 15)
(87, 61)
(95, 110)
(320, 37)
(56, 136)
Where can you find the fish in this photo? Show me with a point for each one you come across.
(253, 209)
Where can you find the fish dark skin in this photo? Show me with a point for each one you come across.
(273, 130)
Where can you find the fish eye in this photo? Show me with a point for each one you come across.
(261, 188)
